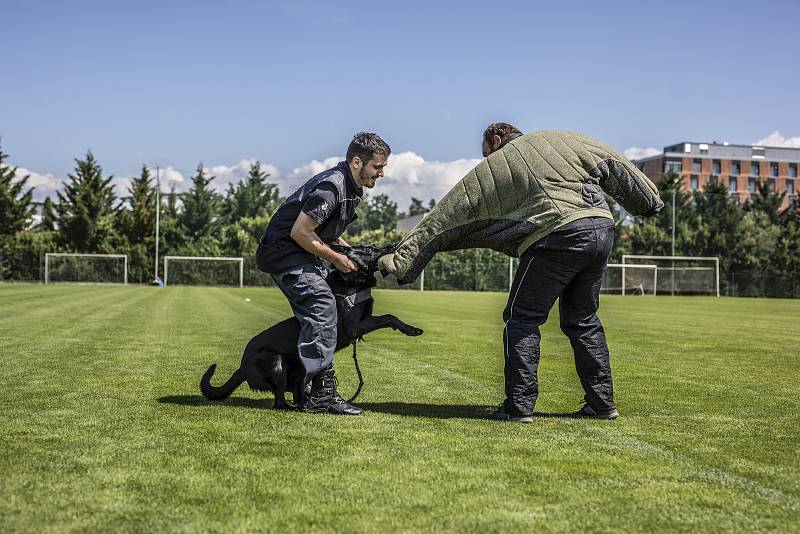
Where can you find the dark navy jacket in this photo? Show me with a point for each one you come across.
(277, 251)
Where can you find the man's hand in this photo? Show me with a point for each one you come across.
(303, 233)
(344, 264)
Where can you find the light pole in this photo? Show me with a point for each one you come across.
(672, 271)
(158, 213)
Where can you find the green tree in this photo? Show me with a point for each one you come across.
(86, 208)
(767, 201)
(16, 204)
(374, 213)
(653, 235)
(719, 216)
(200, 216)
(173, 237)
(252, 197)
(138, 221)
(137, 226)
(416, 207)
(49, 217)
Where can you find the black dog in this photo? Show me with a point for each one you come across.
(270, 361)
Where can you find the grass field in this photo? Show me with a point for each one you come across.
(103, 427)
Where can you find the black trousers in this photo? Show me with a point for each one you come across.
(568, 265)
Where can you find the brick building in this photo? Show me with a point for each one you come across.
(739, 167)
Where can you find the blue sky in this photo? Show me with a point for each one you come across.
(177, 83)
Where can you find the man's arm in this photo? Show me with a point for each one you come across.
(303, 233)
(342, 242)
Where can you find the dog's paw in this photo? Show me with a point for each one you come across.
(413, 331)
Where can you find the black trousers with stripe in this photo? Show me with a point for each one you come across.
(567, 265)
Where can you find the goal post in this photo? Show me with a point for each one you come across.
(208, 260)
(85, 268)
(682, 275)
(628, 279)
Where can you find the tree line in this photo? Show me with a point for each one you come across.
(756, 236)
(87, 217)
(757, 241)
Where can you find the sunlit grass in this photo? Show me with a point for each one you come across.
(103, 427)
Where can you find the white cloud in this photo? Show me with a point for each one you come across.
(45, 185)
(292, 180)
(635, 152)
(776, 139)
(169, 177)
(224, 175)
(407, 175)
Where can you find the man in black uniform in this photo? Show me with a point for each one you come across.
(293, 246)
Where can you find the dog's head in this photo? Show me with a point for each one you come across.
(366, 259)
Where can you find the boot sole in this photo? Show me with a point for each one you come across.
(607, 416)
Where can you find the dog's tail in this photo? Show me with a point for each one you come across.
(223, 391)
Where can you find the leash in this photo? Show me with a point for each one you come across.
(358, 372)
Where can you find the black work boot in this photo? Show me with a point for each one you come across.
(324, 398)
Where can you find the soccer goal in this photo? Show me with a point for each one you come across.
(680, 275)
(630, 279)
(203, 271)
(85, 268)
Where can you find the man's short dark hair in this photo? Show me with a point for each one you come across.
(502, 129)
(365, 145)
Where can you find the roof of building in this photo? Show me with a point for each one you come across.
(729, 151)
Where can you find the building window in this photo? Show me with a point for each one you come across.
(790, 187)
(751, 185)
(716, 167)
(696, 166)
(672, 165)
(773, 169)
(793, 170)
(736, 168)
(731, 184)
(772, 184)
(693, 183)
(755, 169)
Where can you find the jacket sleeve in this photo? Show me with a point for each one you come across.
(628, 186)
(450, 225)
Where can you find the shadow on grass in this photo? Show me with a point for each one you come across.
(199, 400)
(441, 411)
(433, 411)
(436, 411)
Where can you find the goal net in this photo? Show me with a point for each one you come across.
(680, 275)
(85, 268)
(630, 279)
(203, 271)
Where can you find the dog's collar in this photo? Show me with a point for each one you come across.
(350, 301)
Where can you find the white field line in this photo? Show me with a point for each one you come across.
(711, 474)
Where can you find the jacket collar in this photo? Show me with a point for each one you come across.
(352, 186)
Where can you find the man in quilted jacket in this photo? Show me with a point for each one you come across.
(539, 197)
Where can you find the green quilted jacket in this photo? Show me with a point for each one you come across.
(533, 185)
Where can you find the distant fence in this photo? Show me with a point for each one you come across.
(446, 273)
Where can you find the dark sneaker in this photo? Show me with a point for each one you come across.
(323, 397)
(341, 407)
(502, 414)
(588, 411)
